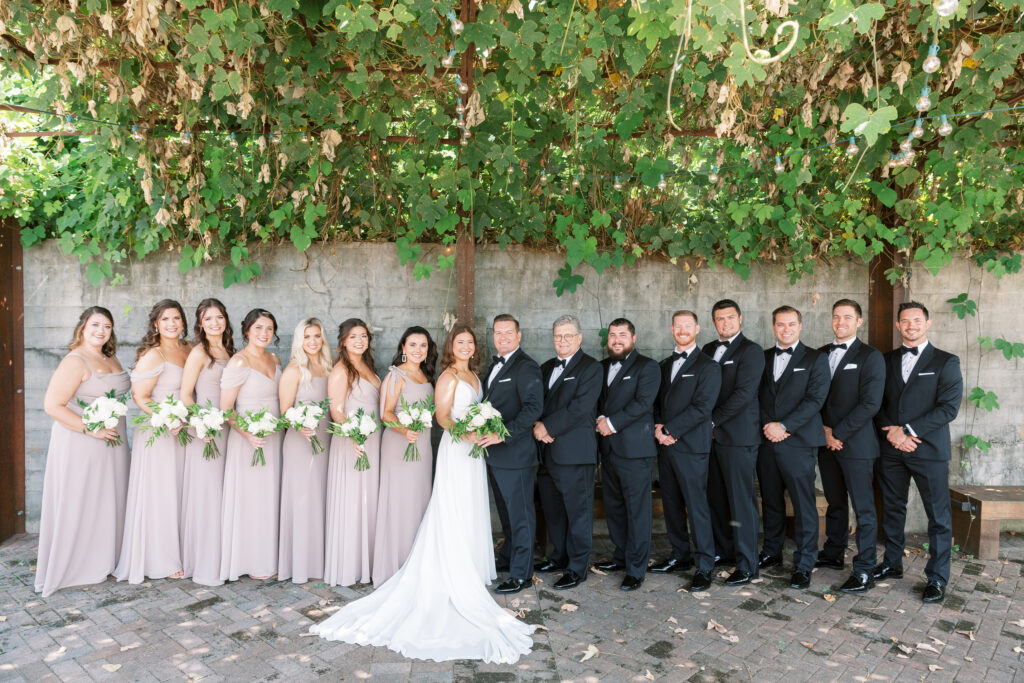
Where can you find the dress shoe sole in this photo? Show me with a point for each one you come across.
(511, 589)
(856, 589)
(567, 586)
(740, 582)
(888, 575)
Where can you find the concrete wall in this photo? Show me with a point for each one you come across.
(367, 281)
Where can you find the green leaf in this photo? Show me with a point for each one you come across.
(566, 281)
(861, 121)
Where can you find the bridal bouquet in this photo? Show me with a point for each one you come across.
(104, 413)
(481, 419)
(168, 415)
(208, 422)
(417, 418)
(306, 416)
(260, 424)
(358, 427)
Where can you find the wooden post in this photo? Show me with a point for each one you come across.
(12, 383)
(465, 247)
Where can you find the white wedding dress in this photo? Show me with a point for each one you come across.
(437, 606)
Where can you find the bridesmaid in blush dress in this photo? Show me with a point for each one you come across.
(152, 545)
(204, 479)
(304, 473)
(404, 486)
(351, 494)
(252, 493)
(86, 479)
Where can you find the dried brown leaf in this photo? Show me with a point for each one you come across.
(648, 675)
(591, 651)
(712, 624)
(926, 647)
(569, 607)
(809, 646)
(934, 667)
(730, 638)
(969, 634)
(829, 597)
(111, 667)
(672, 620)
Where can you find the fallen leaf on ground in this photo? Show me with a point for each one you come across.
(936, 640)
(323, 602)
(1018, 649)
(809, 646)
(882, 585)
(648, 675)
(999, 579)
(901, 656)
(649, 605)
(906, 649)
(969, 634)
(514, 613)
(541, 627)
(682, 590)
(968, 659)
(902, 611)
(111, 667)
(757, 580)
(261, 613)
(569, 607)
(680, 631)
(712, 624)
(730, 638)
(1019, 622)
(516, 602)
(537, 579)
(306, 635)
(829, 597)
(147, 585)
(125, 648)
(723, 575)
(926, 648)
(935, 667)
(3, 619)
(591, 651)
(672, 620)
(802, 602)
(906, 552)
(598, 571)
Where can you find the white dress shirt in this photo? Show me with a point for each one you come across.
(835, 356)
(498, 366)
(782, 360)
(678, 362)
(720, 351)
(909, 360)
(559, 369)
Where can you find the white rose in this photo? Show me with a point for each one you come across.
(119, 409)
(212, 420)
(477, 421)
(158, 420)
(293, 414)
(110, 422)
(367, 426)
(310, 422)
(179, 410)
(405, 419)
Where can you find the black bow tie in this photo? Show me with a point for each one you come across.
(561, 362)
(676, 355)
(498, 360)
(912, 350)
(779, 352)
(833, 347)
(722, 342)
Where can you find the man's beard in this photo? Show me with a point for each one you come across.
(619, 357)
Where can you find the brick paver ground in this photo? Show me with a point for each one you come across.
(256, 630)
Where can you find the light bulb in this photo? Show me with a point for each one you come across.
(713, 176)
(918, 130)
(461, 123)
(466, 134)
(945, 128)
(460, 108)
(457, 26)
(510, 169)
(618, 184)
(779, 166)
(233, 141)
(543, 177)
(136, 135)
(907, 144)
(464, 142)
(447, 61)
(463, 88)
(923, 102)
(185, 138)
(892, 160)
(576, 182)
(662, 184)
(305, 137)
(852, 148)
(910, 154)
(932, 63)
(946, 8)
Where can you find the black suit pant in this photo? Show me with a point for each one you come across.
(626, 488)
(845, 481)
(567, 498)
(732, 500)
(932, 480)
(513, 496)
(684, 496)
(791, 468)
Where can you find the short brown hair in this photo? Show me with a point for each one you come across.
(848, 302)
(787, 309)
(685, 312)
(503, 318)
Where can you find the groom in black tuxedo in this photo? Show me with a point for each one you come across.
(513, 386)
(568, 452)
(626, 426)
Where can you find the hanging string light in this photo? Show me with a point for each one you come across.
(233, 141)
(907, 144)
(448, 60)
(932, 63)
(946, 8)
(185, 138)
(543, 177)
(457, 25)
(779, 166)
(463, 88)
(69, 124)
(460, 108)
(945, 127)
(275, 139)
(662, 184)
(304, 138)
(918, 130)
(924, 103)
(576, 181)
(136, 134)
(852, 148)
(713, 176)
(618, 184)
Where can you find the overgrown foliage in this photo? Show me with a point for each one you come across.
(566, 97)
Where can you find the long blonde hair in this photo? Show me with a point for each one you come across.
(299, 356)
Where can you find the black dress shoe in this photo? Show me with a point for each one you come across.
(701, 582)
(721, 561)
(610, 566)
(740, 578)
(934, 592)
(631, 583)
(858, 583)
(546, 566)
(570, 579)
(766, 561)
(800, 580)
(830, 563)
(671, 565)
(512, 585)
(883, 571)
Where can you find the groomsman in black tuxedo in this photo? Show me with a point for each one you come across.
(923, 390)
(792, 392)
(690, 382)
(736, 437)
(626, 426)
(568, 452)
(847, 461)
(513, 386)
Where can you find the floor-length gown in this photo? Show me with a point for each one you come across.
(300, 554)
(202, 489)
(437, 606)
(252, 494)
(404, 486)
(152, 542)
(84, 490)
(352, 498)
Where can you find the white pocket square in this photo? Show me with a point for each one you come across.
(687, 375)
(924, 374)
(799, 369)
(627, 377)
(850, 366)
(507, 379)
(728, 362)
(566, 379)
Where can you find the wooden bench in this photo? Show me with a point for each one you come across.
(977, 512)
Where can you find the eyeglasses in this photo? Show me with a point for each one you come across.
(565, 337)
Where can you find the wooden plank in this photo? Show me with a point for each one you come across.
(12, 383)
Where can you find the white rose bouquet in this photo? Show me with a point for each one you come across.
(358, 427)
(417, 417)
(260, 424)
(104, 413)
(208, 423)
(306, 416)
(481, 419)
(168, 415)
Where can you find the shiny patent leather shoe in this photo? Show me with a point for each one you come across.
(546, 566)
(934, 592)
(740, 578)
(830, 563)
(800, 580)
(570, 579)
(610, 566)
(858, 582)
(512, 585)
(884, 571)
(766, 561)
(631, 583)
(670, 565)
(701, 582)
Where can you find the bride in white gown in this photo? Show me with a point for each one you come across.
(437, 605)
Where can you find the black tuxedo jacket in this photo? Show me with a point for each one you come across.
(629, 405)
(684, 405)
(928, 401)
(518, 395)
(796, 399)
(854, 397)
(570, 409)
(736, 414)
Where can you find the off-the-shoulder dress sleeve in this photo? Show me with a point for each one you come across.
(234, 377)
(137, 376)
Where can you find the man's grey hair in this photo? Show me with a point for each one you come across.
(567, 320)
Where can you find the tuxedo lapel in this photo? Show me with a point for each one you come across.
(799, 351)
(921, 364)
(505, 368)
(730, 350)
(624, 370)
(569, 367)
(896, 368)
(686, 366)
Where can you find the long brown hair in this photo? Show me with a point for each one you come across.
(227, 337)
(344, 330)
(110, 347)
(152, 337)
(448, 352)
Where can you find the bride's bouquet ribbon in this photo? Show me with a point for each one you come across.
(105, 412)
(481, 419)
(168, 415)
(358, 427)
(418, 418)
(306, 416)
